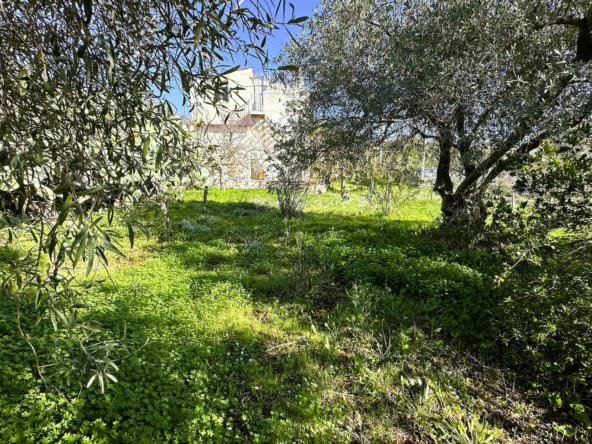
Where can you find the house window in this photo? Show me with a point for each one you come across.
(257, 171)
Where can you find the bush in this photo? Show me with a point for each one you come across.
(291, 191)
(541, 257)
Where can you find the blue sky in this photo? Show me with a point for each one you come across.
(274, 46)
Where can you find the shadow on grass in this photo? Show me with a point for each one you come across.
(247, 314)
(206, 375)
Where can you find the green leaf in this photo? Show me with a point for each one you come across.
(47, 86)
(90, 327)
(80, 241)
(39, 160)
(91, 255)
(19, 279)
(54, 321)
(130, 232)
(111, 58)
(582, 416)
(297, 20)
(198, 33)
(88, 10)
(159, 157)
(288, 68)
(111, 377)
(145, 231)
(61, 316)
(230, 71)
(92, 191)
(145, 149)
(109, 246)
(91, 380)
(65, 210)
(566, 430)
(555, 400)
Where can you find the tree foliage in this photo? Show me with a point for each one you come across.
(85, 126)
(391, 173)
(488, 81)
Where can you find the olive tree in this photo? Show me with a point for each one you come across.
(85, 126)
(488, 81)
(391, 173)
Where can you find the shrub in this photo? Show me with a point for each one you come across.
(291, 191)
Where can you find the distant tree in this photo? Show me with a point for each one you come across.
(228, 149)
(85, 127)
(488, 81)
(391, 173)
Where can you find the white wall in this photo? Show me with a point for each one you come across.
(243, 102)
(246, 116)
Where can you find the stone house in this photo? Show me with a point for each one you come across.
(239, 131)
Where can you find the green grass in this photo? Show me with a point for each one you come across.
(342, 326)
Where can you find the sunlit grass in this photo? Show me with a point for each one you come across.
(262, 329)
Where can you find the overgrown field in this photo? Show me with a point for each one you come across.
(342, 326)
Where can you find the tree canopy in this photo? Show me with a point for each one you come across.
(488, 81)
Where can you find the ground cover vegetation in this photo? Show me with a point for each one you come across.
(501, 90)
(343, 325)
